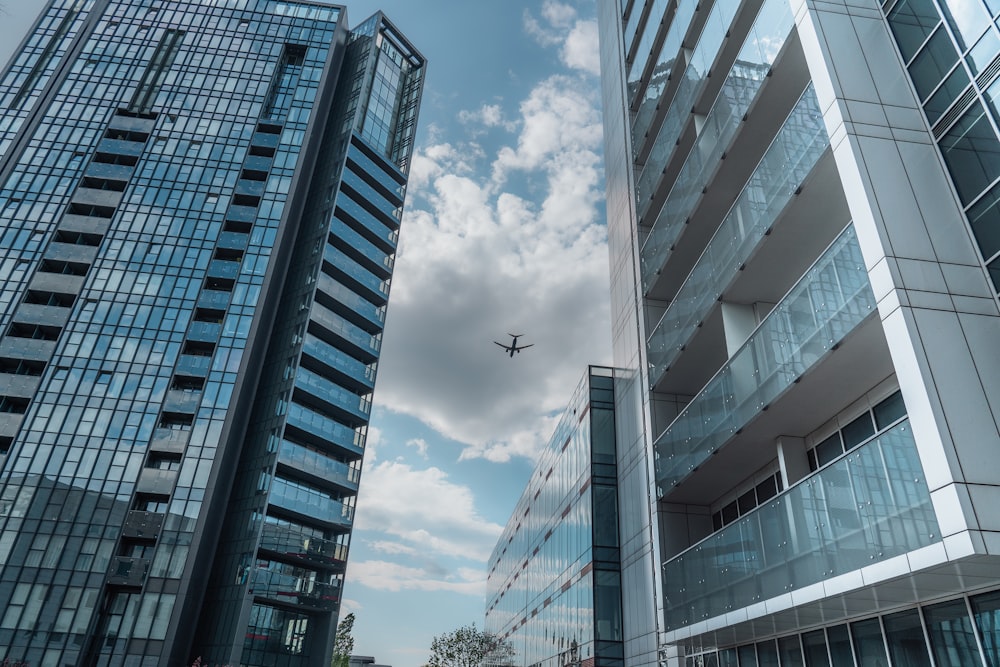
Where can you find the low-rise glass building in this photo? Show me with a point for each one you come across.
(554, 582)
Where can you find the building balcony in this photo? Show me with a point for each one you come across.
(378, 232)
(333, 398)
(350, 304)
(194, 365)
(128, 572)
(390, 209)
(121, 147)
(317, 465)
(725, 120)
(692, 81)
(291, 544)
(310, 503)
(324, 431)
(170, 440)
(71, 252)
(299, 591)
(369, 285)
(349, 240)
(826, 304)
(353, 339)
(377, 171)
(869, 506)
(19, 386)
(786, 164)
(349, 371)
(10, 424)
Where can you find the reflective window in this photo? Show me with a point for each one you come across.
(953, 641)
(984, 216)
(840, 646)
(791, 652)
(911, 22)
(767, 654)
(986, 609)
(972, 153)
(868, 644)
(933, 62)
(906, 640)
(814, 646)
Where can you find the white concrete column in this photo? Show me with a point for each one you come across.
(792, 459)
(935, 301)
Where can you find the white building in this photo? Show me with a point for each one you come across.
(804, 230)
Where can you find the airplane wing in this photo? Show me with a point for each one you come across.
(526, 346)
(501, 345)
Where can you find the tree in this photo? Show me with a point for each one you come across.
(343, 644)
(469, 647)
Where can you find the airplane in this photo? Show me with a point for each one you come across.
(512, 348)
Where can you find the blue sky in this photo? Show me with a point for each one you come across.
(503, 232)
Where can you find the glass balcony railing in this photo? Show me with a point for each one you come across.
(369, 166)
(377, 288)
(692, 81)
(787, 162)
(342, 231)
(325, 429)
(373, 196)
(310, 503)
(827, 303)
(649, 31)
(744, 81)
(298, 590)
(334, 358)
(318, 465)
(333, 394)
(871, 505)
(357, 212)
(326, 318)
(348, 297)
(662, 71)
(289, 542)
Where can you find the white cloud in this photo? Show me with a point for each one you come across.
(580, 50)
(488, 115)
(423, 513)
(557, 18)
(394, 548)
(521, 250)
(388, 576)
(349, 606)
(420, 445)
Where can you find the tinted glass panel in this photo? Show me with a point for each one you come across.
(868, 645)
(906, 640)
(950, 630)
(967, 19)
(840, 646)
(767, 654)
(986, 609)
(748, 656)
(829, 449)
(985, 219)
(932, 63)
(791, 652)
(946, 94)
(972, 153)
(727, 658)
(911, 22)
(858, 431)
(889, 411)
(814, 646)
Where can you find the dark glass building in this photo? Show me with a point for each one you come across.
(554, 584)
(199, 207)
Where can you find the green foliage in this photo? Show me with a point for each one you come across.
(343, 644)
(469, 647)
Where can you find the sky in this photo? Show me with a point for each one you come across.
(503, 232)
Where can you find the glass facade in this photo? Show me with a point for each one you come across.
(197, 237)
(952, 54)
(554, 585)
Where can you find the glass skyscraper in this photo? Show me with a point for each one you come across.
(803, 214)
(199, 208)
